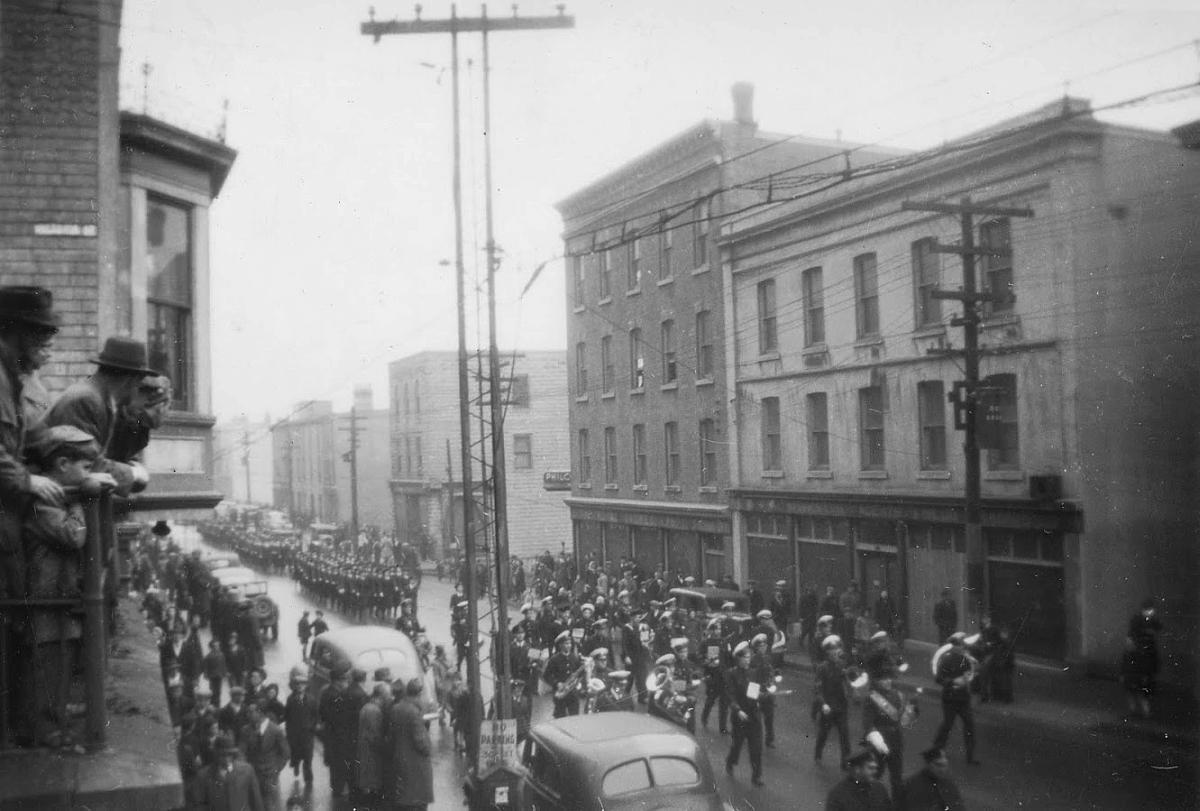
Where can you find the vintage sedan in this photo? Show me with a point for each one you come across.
(384, 654)
(615, 760)
(248, 586)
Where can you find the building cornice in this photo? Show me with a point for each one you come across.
(141, 132)
(666, 507)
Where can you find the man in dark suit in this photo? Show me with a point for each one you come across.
(747, 721)
(230, 784)
(301, 715)
(266, 750)
(954, 672)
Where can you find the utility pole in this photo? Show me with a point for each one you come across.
(246, 462)
(966, 395)
(351, 456)
(453, 26)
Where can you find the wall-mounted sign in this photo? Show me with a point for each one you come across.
(63, 229)
(556, 480)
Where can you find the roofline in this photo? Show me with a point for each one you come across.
(452, 354)
(158, 137)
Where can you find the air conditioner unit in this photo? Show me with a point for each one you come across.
(1045, 488)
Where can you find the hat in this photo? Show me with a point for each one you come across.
(742, 647)
(383, 674)
(933, 753)
(124, 355)
(728, 604)
(63, 440)
(780, 584)
(710, 583)
(765, 614)
(875, 741)
(565, 636)
(237, 690)
(831, 641)
(679, 641)
(879, 636)
(298, 673)
(957, 638)
(600, 652)
(340, 670)
(587, 607)
(666, 660)
(526, 607)
(161, 529)
(622, 593)
(759, 639)
(28, 305)
(824, 618)
(860, 757)
(619, 675)
(689, 580)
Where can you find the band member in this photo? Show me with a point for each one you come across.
(764, 673)
(747, 722)
(954, 671)
(564, 673)
(718, 658)
(831, 700)
(885, 714)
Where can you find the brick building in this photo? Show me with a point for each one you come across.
(426, 479)
(649, 380)
(110, 211)
(846, 464)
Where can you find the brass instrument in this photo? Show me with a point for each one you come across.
(581, 676)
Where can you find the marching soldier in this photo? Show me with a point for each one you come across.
(564, 675)
(954, 671)
(831, 700)
(718, 658)
(764, 673)
(885, 713)
(747, 721)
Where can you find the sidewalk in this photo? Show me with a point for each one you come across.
(137, 771)
(1058, 702)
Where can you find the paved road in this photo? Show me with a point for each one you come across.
(1021, 768)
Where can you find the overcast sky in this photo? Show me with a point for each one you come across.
(327, 237)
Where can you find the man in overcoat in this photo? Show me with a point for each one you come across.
(411, 764)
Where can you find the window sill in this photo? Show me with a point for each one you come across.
(819, 474)
(636, 392)
(672, 386)
(635, 291)
(672, 488)
(766, 357)
(641, 488)
(934, 474)
(704, 381)
(585, 485)
(608, 395)
(702, 269)
(582, 398)
(872, 474)
(929, 331)
(579, 308)
(1004, 475)
(869, 340)
(612, 488)
(666, 281)
(707, 488)
(772, 474)
(815, 349)
(605, 300)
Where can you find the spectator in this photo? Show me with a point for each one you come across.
(230, 784)
(215, 671)
(319, 625)
(266, 751)
(233, 716)
(885, 614)
(945, 616)
(372, 744)
(304, 632)
(410, 752)
(300, 718)
(236, 662)
(191, 657)
(1139, 665)
(931, 789)
(271, 704)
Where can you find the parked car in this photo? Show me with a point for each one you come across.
(220, 560)
(384, 654)
(247, 586)
(610, 761)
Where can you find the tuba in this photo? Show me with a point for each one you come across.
(581, 676)
(660, 678)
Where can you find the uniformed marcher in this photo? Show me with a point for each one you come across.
(746, 719)
(718, 658)
(859, 790)
(954, 671)
(885, 713)
(831, 701)
(764, 674)
(931, 789)
(564, 674)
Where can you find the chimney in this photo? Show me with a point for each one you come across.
(743, 104)
(363, 398)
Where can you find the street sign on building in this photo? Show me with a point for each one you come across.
(556, 480)
(497, 744)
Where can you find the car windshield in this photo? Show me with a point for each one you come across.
(254, 589)
(673, 771)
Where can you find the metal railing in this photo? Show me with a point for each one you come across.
(99, 554)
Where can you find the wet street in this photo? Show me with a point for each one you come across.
(1021, 768)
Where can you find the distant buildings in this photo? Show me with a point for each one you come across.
(242, 460)
(426, 469)
(311, 463)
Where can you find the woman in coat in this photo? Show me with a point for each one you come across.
(411, 764)
(372, 743)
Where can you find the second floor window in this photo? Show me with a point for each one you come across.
(665, 244)
(818, 431)
(607, 371)
(704, 346)
(610, 455)
(169, 295)
(870, 427)
(997, 270)
(637, 360)
(577, 291)
(604, 274)
(866, 291)
(708, 452)
(633, 267)
(700, 235)
(931, 408)
(581, 375)
(671, 449)
(998, 422)
(523, 451)
(518, 391)
(927, 277)
(639, 454)
(585, 456)
(670, 372)
(768, 339)
(772, 439)
(813, 291)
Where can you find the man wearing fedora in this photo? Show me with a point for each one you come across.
(95, 405)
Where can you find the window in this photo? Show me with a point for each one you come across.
(670, 372)
(585, 457)
(577, 280)
(814, 306)
(637, 360)
(581, 381)
(610, 455)
(818, 431)
(420, 460)
(607, 372)
(866, 291)
(674, 771)
(633, 268)
(169, 296)
(927, 276)
(523, 451)
(700, 235)
(408, 465)
(708, 452)
(772, 447)
(665, 243)
(768, 340)
(870, 422)
(998, 422)
(417, 396)
(704, 346)
(931, 408)
(604, 276)
(639, 454)
(671, 446)
(518, 391)
(406, 400)
(625, 779)
(997, 270)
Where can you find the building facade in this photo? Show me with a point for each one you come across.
(646, 314)
(109, 210)
(426, 478)
(847, 465)
(311, 453)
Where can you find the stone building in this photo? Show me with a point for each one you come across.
(846, 463)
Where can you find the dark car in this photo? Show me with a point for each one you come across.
(707, 601)
(615, 760)
(384, 654)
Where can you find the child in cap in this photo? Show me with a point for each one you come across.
(54, 535)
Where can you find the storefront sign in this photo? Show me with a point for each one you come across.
(556, 480)
(63, 229)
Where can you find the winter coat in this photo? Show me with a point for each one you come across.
(410, 755)
(54, 535)
(372, 747)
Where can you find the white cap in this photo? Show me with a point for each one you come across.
(765, 614)
(679, 641)
(875, 739)
(665, 659)
(824, 618)
(741, 648)
(831, 641)
(587, 607)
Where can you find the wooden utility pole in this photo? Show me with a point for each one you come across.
(453, 26)
(967, 406)
(246, 462)
(351, 456)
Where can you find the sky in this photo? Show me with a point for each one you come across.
(329, 239)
